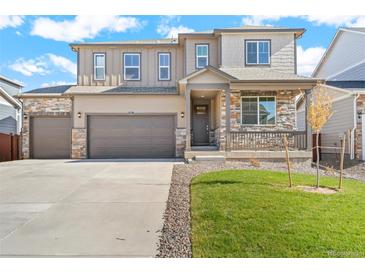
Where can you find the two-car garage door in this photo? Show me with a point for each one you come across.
(131, 136)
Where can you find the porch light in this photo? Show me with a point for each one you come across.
(79, 114)
(25, 116)
(359, 115)
(182, 115)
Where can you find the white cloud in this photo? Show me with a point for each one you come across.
(10, 21)
(336, 20)
(63, 63)
(260, 20)
(30, 66)
(168, 28)
(82, 27)
(57, 83)
(43, 65)
(308, 59)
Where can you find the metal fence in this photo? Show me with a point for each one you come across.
(266, 140)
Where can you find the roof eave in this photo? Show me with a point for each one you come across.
(311, 80)
(298, 31)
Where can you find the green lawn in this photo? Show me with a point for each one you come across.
(247, 213)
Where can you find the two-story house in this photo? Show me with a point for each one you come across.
(231, 90)
(343, 68)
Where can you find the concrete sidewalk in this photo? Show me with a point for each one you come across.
(82, 208)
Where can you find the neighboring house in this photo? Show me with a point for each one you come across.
(10, 108)
(228, 90)
(343, 68)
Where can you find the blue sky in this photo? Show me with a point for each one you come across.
(35, 49)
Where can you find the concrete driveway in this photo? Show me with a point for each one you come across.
(82, 208)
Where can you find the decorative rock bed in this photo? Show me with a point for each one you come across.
(175, 239)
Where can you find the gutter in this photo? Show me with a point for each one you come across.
(352, 131)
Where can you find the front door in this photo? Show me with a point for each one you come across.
(201, 125)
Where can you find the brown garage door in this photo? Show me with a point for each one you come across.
(127, 136)
(51, 137)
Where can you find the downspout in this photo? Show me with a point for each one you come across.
(352, 131)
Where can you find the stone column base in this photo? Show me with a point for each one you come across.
(79, 143)
(180, 142)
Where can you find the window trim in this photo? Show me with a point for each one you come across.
(95, 54)
(139, 67)
(258, 111)
(196, 55)
(257, 53)
(159, 66)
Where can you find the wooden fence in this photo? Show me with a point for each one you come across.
(9, 147)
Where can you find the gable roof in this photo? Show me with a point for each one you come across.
(16, 83)
(360, 31)
(11, 100)
(207, 68)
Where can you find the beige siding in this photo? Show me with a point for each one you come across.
(340, 122)
(114, 65)
(347, 51)
(301, 120)
(123, 104)
(282, 50)
(190, 52)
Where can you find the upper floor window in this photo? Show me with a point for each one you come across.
(164, 66)
(132, 66)
(202, 55)
(258, 110)
(258, 52)
(99, 66)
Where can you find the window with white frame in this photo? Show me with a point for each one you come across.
(202, 55)
(164, 66)
(99, 66)
(258, 52)
(132, 66)
(258, 110)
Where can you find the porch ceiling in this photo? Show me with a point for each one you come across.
(206, 94)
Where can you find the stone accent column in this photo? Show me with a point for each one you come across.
(188, 119)
(79, 143)
(223, 122)
(180, 142)
(25, 139)
(360, 108)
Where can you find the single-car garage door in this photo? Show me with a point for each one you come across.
(131, 136)
(50, 137)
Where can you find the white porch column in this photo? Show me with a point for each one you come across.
(188, 119)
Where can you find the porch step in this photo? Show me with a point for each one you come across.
(210, 158)
(204, 148)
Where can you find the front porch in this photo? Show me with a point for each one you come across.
(234, 118)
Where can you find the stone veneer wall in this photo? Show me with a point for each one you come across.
(360, 107)
(180, 142)
(285, 112)
(79, 143)
(44, 106)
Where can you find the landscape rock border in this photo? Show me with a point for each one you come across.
(175, 241)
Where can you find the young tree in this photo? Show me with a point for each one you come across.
(319, 112)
